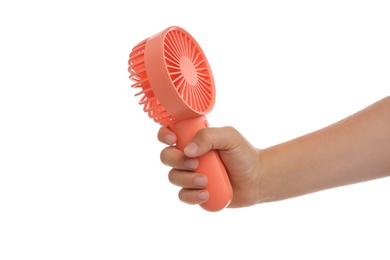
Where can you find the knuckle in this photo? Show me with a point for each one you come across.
(163, 156)
(160, 134)
(186, 196)
(203, 133)
(231, 130)
(171, 176)
(183, 195)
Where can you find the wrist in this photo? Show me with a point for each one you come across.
(263, 177)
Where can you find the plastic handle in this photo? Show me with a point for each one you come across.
(210, 164)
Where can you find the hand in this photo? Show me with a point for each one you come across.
(241, 160)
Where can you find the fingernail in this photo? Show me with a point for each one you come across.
(168, 139)
(191, 163)
(200, 181)
(203, 195)
(191, 149)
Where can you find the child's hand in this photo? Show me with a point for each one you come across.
(241, 159)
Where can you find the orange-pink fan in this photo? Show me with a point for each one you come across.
(177, 90)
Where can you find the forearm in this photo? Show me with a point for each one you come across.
(352, 150)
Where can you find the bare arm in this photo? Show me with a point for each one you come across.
(353, 150)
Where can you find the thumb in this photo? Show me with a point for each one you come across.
(218, 138)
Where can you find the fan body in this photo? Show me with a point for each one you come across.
(177, 90)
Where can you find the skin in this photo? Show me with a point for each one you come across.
(353, 150)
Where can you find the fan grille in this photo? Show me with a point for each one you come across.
(138, 74)
(189, 71)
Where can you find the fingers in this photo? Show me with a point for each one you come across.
(166, 136)
(187, 180)
(173, 157)
(182, 174)
(192, 186)
(193, 196)
(184, 163)
(222, 138)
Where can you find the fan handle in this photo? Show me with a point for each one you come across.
(210, 164)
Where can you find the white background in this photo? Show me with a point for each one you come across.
(80, 175)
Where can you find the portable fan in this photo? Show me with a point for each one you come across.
(177, 90)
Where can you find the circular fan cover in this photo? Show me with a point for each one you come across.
(189, 70)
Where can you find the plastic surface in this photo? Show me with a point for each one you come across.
(177, 90)
(210, 164)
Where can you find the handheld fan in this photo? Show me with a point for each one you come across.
(177, 90)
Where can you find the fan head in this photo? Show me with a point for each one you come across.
(173, 75)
